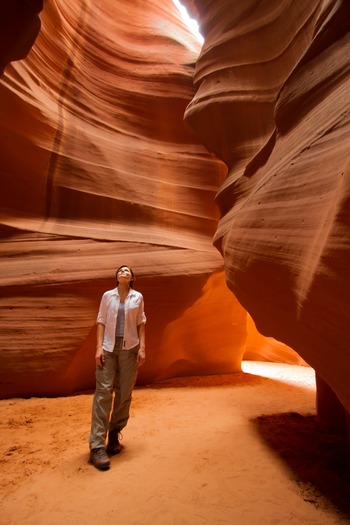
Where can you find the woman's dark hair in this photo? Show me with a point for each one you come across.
(132, 273)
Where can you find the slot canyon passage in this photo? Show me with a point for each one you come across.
(220, 173)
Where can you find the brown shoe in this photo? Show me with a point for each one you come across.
(114, 447)
(99, 458)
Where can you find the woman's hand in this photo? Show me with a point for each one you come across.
(141, 356)
(99, 357)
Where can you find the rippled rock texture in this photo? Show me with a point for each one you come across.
(99, 170)
(272, 101)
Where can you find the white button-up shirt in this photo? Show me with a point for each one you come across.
(134, 316)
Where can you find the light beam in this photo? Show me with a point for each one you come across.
(190, 22)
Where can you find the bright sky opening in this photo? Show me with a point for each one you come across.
(190, 22)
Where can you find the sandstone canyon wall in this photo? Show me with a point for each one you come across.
(19, 27)
(98, 169)
(272, 101)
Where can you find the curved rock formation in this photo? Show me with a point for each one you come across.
(19, 27)
(272, 102)
(97, 170)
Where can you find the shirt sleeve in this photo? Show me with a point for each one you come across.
(102, 313)
(141, 316)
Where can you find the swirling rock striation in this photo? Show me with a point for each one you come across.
(97, 170)
(272, 101)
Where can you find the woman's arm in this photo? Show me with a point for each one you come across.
(141, 356)
(99, 356)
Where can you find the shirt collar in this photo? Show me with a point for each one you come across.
(116, 291)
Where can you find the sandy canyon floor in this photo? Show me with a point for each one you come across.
(243, 449)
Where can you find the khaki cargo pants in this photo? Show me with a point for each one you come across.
(118, 374)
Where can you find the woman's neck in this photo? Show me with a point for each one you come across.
(123, 292)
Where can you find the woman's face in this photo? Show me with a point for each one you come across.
(124, 275)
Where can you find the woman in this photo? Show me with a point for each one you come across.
(120, 350)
